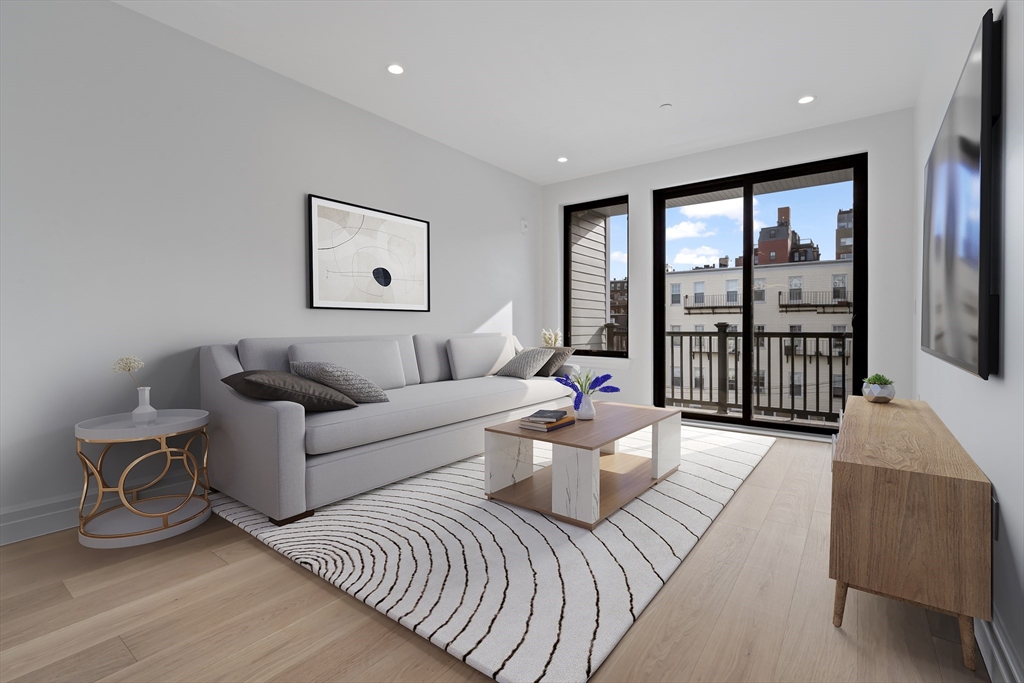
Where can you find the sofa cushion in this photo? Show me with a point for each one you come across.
(269, 385)
(526, 364)
(271, 353)
(378, 361)
(478, 356)
(425, 406)
(432, 353)
(558, 359)
(348, 382)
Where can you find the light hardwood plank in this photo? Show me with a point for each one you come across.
(951, 664)
(895, 644)
(30, 626)
(814, 651)
(748, 507)
(461, 673)
(34, 600)
(193, 656)
(240, 550)
(87, 666)
(943, 626)
(823, 501)
(57, 540)
(667, 639)
(796, 498)
(744, 644)
(414, 661)
(772, 469)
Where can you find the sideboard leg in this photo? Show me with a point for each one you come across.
(967, 639)
(840, 606)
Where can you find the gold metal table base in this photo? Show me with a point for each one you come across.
(125, 524)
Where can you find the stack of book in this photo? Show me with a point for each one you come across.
(547, 420)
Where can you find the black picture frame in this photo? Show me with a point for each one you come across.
(369, 275)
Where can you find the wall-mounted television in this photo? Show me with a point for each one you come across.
(962, 228)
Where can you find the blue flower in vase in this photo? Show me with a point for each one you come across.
(586, 383)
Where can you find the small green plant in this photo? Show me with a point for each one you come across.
(878, 379)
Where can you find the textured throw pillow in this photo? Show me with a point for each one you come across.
(348, 382)
(380, 361)
(526, 364)
(270, 385)
(558, 359)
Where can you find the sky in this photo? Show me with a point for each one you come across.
(698, 235)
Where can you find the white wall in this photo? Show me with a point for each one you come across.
(985, 416)
(154, 200)
(888, 140)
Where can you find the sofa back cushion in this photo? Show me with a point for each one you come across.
(271, 353)
(379, 361)
(479, 356)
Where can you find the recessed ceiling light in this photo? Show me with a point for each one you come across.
(806, 99)
(395, 69)
(562, 160)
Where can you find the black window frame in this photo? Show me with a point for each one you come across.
(858, 164)
(567, 212)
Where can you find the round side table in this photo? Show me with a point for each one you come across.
(135, 520)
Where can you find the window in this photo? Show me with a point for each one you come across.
(760, 284)
(676, 341)
(758, 329)
(732, 380)
(759, 381)
(698, 292)
(698, 328)
(771, 256)
(845, 257)
(677, 328)
(698, 380)
(798, 343)
(595, 277)
(772, 233)
(846, 241)
(677, 377)
(676, 294)
(732, 291)
(839, 287)
(837, 386)
(838, 345)
(797, 389)
(796, 288)
(731, 341)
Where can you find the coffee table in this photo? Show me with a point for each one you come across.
(587, 479)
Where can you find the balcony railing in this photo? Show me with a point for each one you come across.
(810, 385)
(802, 299)
(712, 302)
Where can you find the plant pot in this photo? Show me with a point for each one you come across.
(879, 393)
(586, 411)
(145, 414)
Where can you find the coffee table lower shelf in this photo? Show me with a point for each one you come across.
(623, 478)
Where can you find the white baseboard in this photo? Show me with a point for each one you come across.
(18, 523)
(1003, 663)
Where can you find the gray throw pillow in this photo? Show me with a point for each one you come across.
(271, 385)
(526, 363)
(348, 382)
(558, 359)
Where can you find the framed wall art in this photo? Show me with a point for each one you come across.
(363, 258)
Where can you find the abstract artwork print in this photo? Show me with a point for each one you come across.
(367, 259)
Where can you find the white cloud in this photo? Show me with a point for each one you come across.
(688, 229)
(701, 256)
(729, 208)
(619, 257)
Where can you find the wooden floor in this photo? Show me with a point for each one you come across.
(751, 602)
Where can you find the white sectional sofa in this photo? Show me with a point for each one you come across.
(279, 460)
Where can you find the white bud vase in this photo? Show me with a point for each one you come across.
(145, 414)
(586, 411)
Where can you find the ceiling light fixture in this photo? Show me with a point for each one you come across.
(562, 160)
(395, 69)
(667, 105)
(807, 99)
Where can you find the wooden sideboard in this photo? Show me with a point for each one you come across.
(911, 514)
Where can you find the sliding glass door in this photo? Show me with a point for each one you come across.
(760, 306)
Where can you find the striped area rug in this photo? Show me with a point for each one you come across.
(515, 594)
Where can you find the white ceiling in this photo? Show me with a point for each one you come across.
(519, 84)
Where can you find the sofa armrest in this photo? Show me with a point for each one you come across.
(257, 448)
(567, 369)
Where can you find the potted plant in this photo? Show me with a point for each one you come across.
(145, 414)
(584, 384)
(878, 389)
